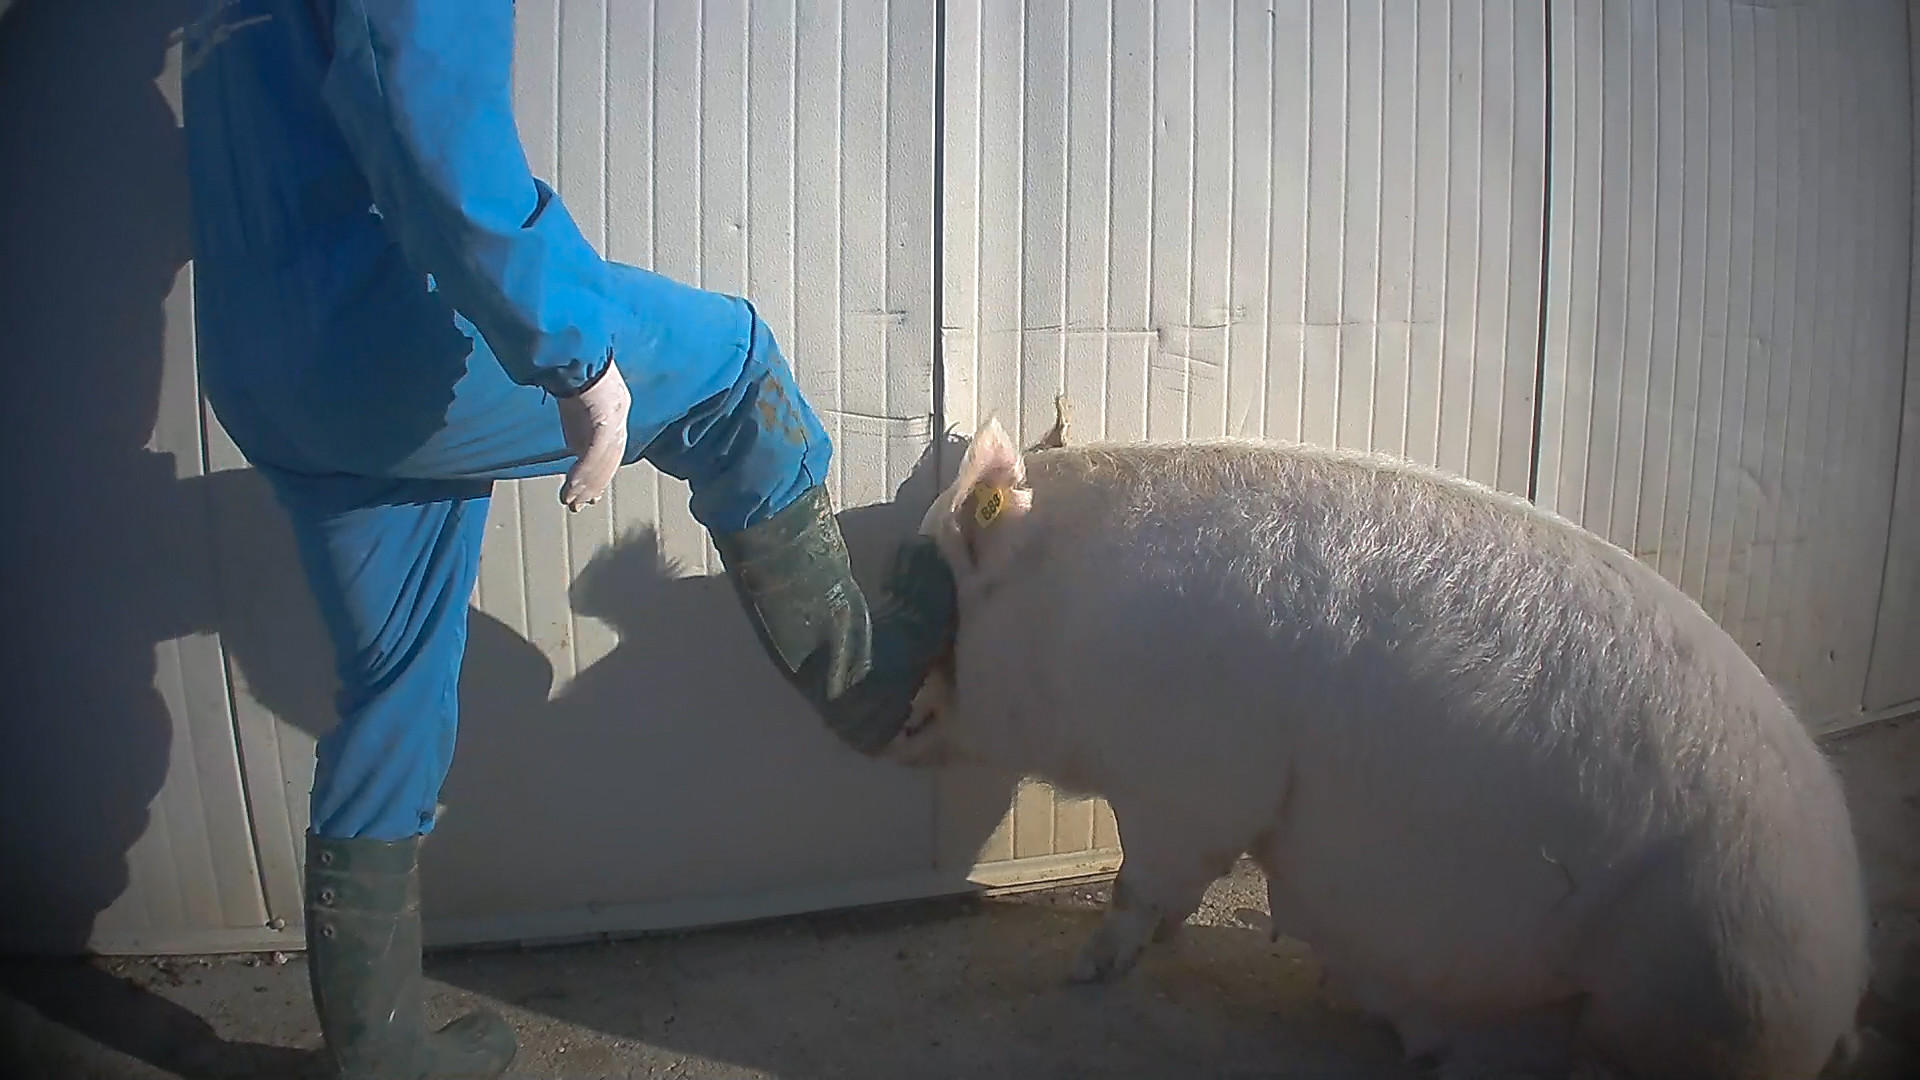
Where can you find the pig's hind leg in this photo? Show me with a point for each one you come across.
(1168, 865)
(1536, 1045)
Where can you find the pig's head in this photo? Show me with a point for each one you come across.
(977, 523)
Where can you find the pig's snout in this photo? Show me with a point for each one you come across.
(922, 742)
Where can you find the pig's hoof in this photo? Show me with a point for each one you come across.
(1090, 970)
(1103, 961)
(1167, 929)
(1094, 965)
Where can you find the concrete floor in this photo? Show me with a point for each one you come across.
(947, 989)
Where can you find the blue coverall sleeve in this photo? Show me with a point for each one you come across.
(422, 91)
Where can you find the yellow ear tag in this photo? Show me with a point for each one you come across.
(992, 500)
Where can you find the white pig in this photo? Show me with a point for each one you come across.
(1521, 796)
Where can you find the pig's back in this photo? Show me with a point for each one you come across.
(1442, 684)
(1384, 579)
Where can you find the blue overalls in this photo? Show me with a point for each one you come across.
(337, 150)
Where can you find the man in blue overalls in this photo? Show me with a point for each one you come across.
(392, 314)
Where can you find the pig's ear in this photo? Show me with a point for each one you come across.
(989, 492)
(992, 459)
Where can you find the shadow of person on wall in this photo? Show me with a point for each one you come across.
(105, 556)
(94, 206)
(679, 754)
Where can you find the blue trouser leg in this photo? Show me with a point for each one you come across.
(392, 565)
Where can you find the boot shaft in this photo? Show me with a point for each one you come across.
(363, 965)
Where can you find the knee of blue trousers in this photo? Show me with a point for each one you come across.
(391, 565)
(749, 451)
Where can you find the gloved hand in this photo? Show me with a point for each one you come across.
(858, 667)
(594, 422)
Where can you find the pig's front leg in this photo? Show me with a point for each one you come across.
(1165, 874)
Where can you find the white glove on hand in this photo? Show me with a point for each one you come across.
(595, 426)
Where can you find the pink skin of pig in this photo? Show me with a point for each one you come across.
(1521, 796)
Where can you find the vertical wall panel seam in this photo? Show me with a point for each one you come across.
(1106, 235)
(1022, 103)
(1682, 450)
(653, 190)
(936, 312)
(227, 660)
(1339, 278)
(1234, 104)
(239, 744)
(699, 155)
(1066, 199)
(1379, 47)
(746, 157)
(1480, 215)
(1862, 245)
(936, 303)
(1306, 228)
(1183, 298)
(1405, 441)
(976, 360)
(1724, 348)
(1848, 425)
(1859, 420)
(839, 467)
(572, 638)
(1446, 181)
(1025, 97)
(1704, 239)
(1153, 196)
(1763, 598)
(1759, 552)
(1605, 198)
(1640, 482)
(1546, 256)
(606, 200)
(938, 258)
(1900, 432)
(795, 243)
(1819, 420)
(1789, 568)
(885, 263)
(1265, 356)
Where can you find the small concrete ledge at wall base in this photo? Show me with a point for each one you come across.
(289, 939)
(1852, 723)
(615, 921)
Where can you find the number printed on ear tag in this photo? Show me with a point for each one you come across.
(991, 501)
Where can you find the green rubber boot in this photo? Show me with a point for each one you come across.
(363, 962)
(858, 667)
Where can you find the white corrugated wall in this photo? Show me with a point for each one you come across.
(1727, 311)
(1313, 221)
(1649, 259)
